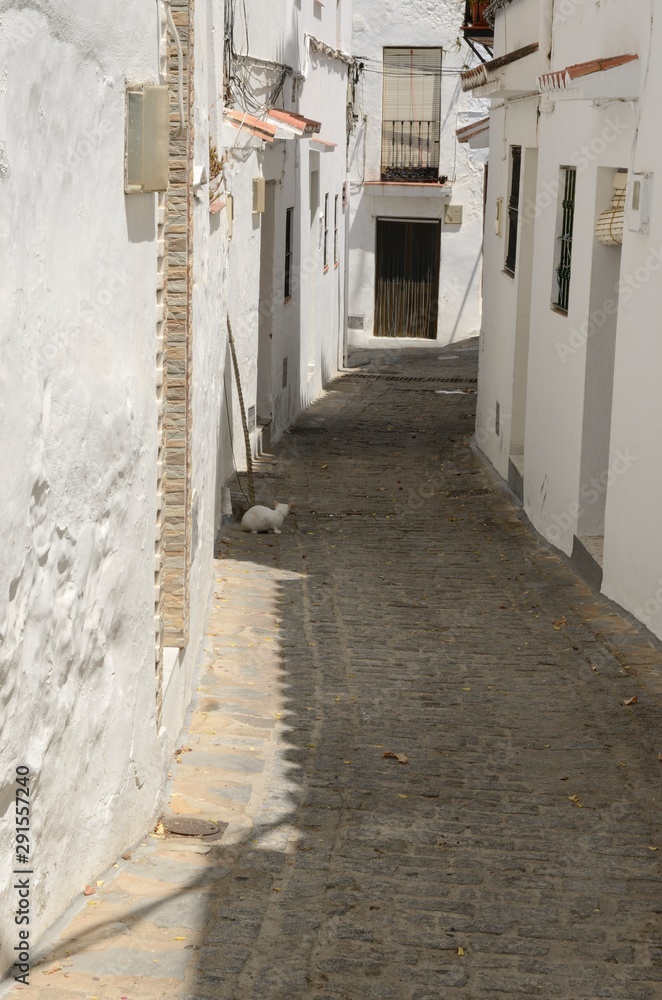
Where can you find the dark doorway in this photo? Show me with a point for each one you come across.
(407, 284)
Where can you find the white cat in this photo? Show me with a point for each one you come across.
(265, 519)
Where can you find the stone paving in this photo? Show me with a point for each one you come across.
(510, 850)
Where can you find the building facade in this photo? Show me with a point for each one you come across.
(567, 412)
(416, 193)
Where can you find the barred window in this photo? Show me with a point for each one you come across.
(336, 237)
(563, 256)
(513, 208)
(326, 230)
(289, 224)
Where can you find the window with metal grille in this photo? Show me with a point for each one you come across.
(289, 225)
(336, 234)
(411, 114)
(513, 208)
(326, 230)
(563, 256)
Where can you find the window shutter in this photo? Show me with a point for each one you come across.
(412, 85)
(411, 114)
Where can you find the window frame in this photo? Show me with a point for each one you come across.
(410, 148)
(515, 189)
(336, 232)
(325, 254)
(565, 222)
(289, 253)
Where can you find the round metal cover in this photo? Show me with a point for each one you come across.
(190, 826)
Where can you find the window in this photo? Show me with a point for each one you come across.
(513, 208)
(563, 256)
(336, 240)
(411, 114)
(326, 230)
(289, 224)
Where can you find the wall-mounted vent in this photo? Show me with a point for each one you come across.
(355, 322)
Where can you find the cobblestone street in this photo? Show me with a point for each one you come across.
(411, 717)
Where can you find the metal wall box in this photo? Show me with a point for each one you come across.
(453, 215)
(259, 195)
(639, 203)
(146, 158)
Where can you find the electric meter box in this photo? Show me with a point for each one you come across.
(146, 158)
(639, 203)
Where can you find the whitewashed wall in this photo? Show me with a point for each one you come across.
(379, 24)
(307, 330)
(568, 357)
(78, 431)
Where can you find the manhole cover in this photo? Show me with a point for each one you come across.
(189, 826)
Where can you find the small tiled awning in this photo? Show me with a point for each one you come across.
(614, 78)
(476, 134)
(299, 125)
(322, 145)
(249, 123)
(487, 73)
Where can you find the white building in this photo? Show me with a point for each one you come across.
(416, 194)
(285, 266)
(121, 261)
(568, 409)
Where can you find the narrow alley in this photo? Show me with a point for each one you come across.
(416, 731)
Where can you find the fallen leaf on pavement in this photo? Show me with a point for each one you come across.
(460, 951)
(89, 890)
(575, 801)
(400, 757)
(558, 625)
(631, 701)
(653, 848)
(49, 972)
(99, 883)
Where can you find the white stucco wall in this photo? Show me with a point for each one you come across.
(77, 380)
(501, 291)
(306, 331)
(633, 544)
(377, 25)
(584, 474)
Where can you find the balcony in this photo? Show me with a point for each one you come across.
(475, 29)
(410, 150)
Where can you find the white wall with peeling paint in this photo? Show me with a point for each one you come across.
(77, 383)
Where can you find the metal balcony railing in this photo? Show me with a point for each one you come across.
(410, 150)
